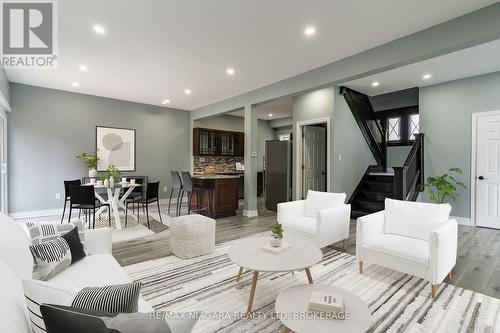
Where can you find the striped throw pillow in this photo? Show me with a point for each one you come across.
(122, 298)
(50, 258)
(44, 232)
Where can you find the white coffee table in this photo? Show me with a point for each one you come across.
(249, 254)
(295, 300)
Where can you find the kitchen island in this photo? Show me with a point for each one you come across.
(220, 194)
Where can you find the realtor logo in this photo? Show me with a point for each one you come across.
(29, 33)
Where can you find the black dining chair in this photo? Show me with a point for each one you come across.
(67, 196)
(83, 198)
(176, 185)
(138, 192)
(189, 188)
(151, 197)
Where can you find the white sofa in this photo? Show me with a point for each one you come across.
(97, 269)
(323, 218)
(411, 237)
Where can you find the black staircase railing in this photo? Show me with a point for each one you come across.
(409, 178)
(372, 131)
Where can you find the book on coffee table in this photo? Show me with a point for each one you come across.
(326, 302)
(276, 249)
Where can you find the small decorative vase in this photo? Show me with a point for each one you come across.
(111, 182)
(92, 173)
(106, 183)
(276, 242)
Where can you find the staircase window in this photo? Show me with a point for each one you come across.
(394, 129)
(413, 125)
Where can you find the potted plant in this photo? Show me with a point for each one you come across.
(114, 174)
(90, 161)
(277, 234)
(442, 188)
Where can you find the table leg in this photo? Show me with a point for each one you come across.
(286, 330)
(309, 276)
(252, 291)
(239, 274)
(114, 206)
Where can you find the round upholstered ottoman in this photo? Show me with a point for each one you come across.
(192, 236)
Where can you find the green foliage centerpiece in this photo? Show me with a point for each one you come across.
(90, 161)
(277, 234)
(442, 188)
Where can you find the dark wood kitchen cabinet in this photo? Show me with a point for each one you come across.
(210, 142)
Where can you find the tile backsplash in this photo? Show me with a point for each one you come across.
(220, 163)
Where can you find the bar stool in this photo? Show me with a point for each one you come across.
(188, 186)
(176, 184)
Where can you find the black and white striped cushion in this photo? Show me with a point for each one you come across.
(50, 258)
(43, 232)
(113, 299)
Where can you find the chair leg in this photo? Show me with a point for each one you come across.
(434, 291)
(109, 215)
(170, 199)
(159, 212)
(180, 203)
(126, 213)
(146, 207)
(79, 213)
(93, 218)
(190, 199)
(64, 210)
(70, 209)
(177, 209)
(360, 267)
(343, 244)
(449, 276)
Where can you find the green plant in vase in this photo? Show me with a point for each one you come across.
(277, 234)
(114, 172)
(442, 188)
(90, 161)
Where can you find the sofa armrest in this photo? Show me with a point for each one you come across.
(333, 223)
(98, 241)
(368, 227)
(287, 210)
(443, 250)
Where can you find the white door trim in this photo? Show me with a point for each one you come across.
(298, 155)
(475, 117)
(4, 200)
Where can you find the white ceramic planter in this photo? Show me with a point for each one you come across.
(276, 242)
(92, 173)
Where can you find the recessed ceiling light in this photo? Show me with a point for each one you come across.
(99, 29)
(83, 68)
(187, 91)
(309, 31)
(426, 76)
(75, 84)
(270, 115)
(230, 71)
(375, 84)
(165, 101)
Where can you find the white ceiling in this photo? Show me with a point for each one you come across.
(469, 62)
(280, 108)
(155, 49)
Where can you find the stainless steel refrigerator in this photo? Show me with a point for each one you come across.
(278, 173)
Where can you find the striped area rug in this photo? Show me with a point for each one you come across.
(399, 302)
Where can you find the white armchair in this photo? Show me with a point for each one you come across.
(322, 218)
(411, 237)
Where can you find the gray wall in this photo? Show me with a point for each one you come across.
(48, 128)
(4, 86)
(350, 143)
(445, 118)
(235, 123)
(346, 138)
(396, 156)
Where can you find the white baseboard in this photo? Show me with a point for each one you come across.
(463, 220)
(250, 213)
(58, 211)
